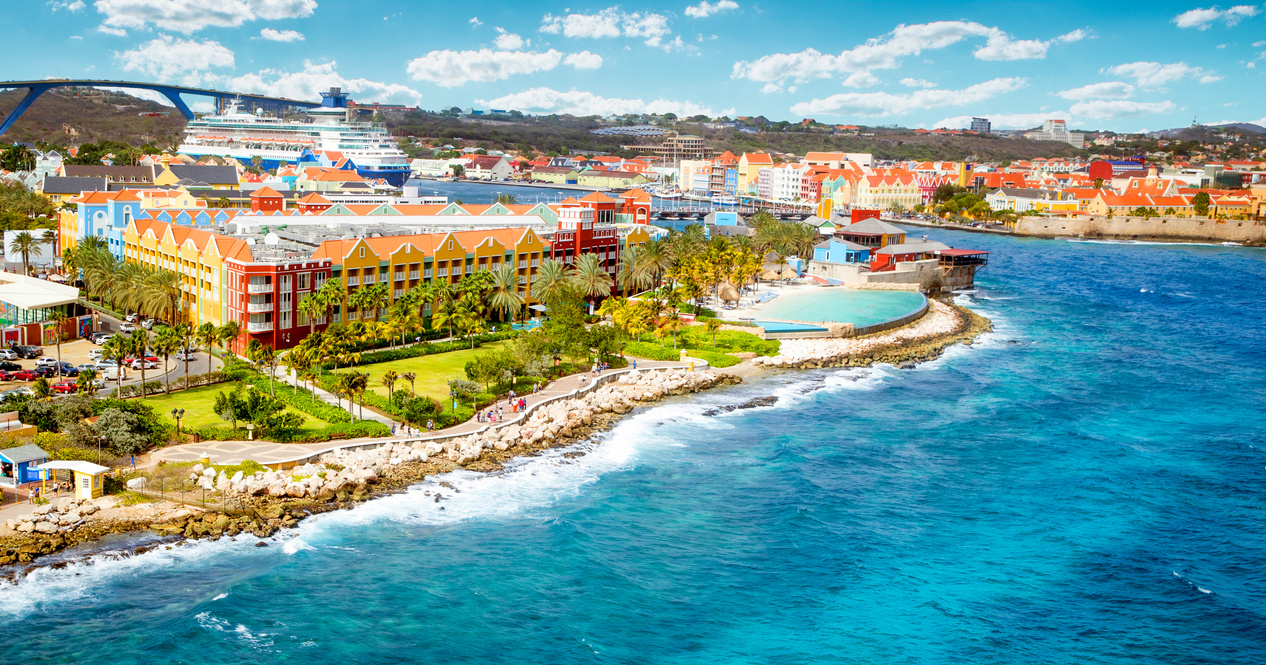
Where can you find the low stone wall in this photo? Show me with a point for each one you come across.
(1140, 228)
(895, 323)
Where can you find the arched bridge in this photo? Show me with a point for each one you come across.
(171, 92)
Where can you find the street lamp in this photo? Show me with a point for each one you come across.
(250, 431)
(177, 414)
(100, 440)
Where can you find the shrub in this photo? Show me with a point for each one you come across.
(419, 350)
(651, 351)
(715, 358)
(301, 399)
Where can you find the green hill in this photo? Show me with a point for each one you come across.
(73, 116)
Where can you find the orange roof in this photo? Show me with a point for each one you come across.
(759, 158)
(266, 192)
(598, 197)
(228, 247)
(633, 194)
(384, 247)
(314, 199)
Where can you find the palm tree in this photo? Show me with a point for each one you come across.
(59, 319)
(264, 357)
(504, 295)
(166, 342)
(551, 280)
(377, 297)
(310, 376)
(411, 377)
(206, 335)
(657, 259)
(310, 305)
(389, 378)
(24, 243)
(446, 314)
(117, 349)
(590, 277)
(332, 293)
(228, 334)
(140, 345)
(358, 383)
(87, 381)
(161, 296)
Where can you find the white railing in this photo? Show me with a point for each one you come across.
(443, 272)
(259, 307)
(400, 277)
(413, 274)
(353, 281)
(369, 279)
(263, 327)
(426, 274)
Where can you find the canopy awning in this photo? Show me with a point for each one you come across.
(538, 308)
(75, 465)
(31, 293)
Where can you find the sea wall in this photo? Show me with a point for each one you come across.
(1139, 228)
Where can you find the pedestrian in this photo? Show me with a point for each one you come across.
(393, 433)
(522, 403)
(33, 494)
(430, 425)
(635, 363)
(134, 462)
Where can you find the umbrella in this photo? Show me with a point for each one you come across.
(769, 275)
(788, 273)
(728, 293)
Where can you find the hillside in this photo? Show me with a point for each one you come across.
(552, 133)
(73, 116)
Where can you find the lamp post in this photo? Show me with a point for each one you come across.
(100, 440)
(177, 415)
(250, 431)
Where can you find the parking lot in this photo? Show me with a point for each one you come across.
(76, 352)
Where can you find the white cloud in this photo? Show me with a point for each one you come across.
(861, 80)
(189, 16)
(1100, 109)
(1203, 18)
(69, 5)
(449, 69)
(475, 22)
(771, 88)
(311, 81)
(583, 60)
(1105, 90)
(886, 52)
(1154, 74)
(917, 83)
(1258, 44)
(610, 22)
(508, 41)
(281, 35)
(1003, 120)
(168, 57)
(575, 102)
(1074, 36)
(886, 104)
(705, 9)
(1210, 78)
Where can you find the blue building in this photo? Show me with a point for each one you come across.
(840, 251)
(18, 465)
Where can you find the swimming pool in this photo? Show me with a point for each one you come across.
(858, 307)
(784, 327)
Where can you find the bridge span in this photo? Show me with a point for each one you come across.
(171, 92)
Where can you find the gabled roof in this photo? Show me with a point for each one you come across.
(598, 197)
(871, 226)
(28, 453)
(266, 192)
(314, 199)
(72, 185)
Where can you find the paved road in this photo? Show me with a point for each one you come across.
(234, 452)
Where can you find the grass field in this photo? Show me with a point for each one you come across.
(434, 371)
(199, 406)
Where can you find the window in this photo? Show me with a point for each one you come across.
(303, 280)
(362, 252)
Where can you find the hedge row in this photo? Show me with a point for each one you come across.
(159, 387)
(301, 399)
(652, 351)
(358, 429)
(419, 350)
(714, 358)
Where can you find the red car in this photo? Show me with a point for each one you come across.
(6, 375)
(64, 387)
(132, 359)
(26, 375)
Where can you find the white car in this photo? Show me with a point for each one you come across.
(141, 363)
(126, 327)
(8, 354)
(184, 355)
(95, 354)
(148, 324)
(131, 318)
(100, 340)
(91, 366)
(18, 391)
(45, 361)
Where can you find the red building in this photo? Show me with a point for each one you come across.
(267, 199)
(579, 233)
(263, 297)
(637, 204)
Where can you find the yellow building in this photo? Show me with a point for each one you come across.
(196, 255)
(412, 260)
(749, 166)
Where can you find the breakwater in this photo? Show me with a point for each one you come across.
(1100, 227)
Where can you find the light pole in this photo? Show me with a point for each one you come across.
(177, 415)
(100, 440)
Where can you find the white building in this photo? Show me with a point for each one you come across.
(1057, 130)
(781, 182)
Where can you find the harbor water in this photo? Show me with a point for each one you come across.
(1083, 485)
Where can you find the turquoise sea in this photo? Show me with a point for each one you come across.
(1083, 486)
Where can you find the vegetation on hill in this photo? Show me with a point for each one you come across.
(73, 116)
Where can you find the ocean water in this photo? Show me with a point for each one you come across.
(1085, 485)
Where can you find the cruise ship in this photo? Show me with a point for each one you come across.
(244, 136)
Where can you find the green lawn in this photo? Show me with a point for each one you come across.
(199, 406)
(434, 371)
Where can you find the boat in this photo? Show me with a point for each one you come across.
(665, 194)
(244, 136)
(724, 200)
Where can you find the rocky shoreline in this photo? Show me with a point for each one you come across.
(268, 501)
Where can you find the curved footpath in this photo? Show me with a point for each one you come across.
(281, 455)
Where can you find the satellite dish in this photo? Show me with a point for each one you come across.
(272, 239)
(250, 242)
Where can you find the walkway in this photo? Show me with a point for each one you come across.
(234, 452)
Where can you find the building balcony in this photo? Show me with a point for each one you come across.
(400, 277)
(262, 327)
(353, 281)
(259, 307)
(259, 288)
(413, 274)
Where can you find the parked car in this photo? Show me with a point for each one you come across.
(131, 318)
(185, 354)
(149, 324)
(126, 327)
(144, 364)
(9, 366)
(46, 361)
(6, 375)
(8, 354)
(45, 371)
(26, 375)
(111, 372)
(65, 387)
(95, 337)
(91, 366)
(68, 369)
(28, 351)
(149, 357)
(17, 391)
(95, 354)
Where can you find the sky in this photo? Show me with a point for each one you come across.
(1122, 66)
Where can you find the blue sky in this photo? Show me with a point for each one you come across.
(1122, 66)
